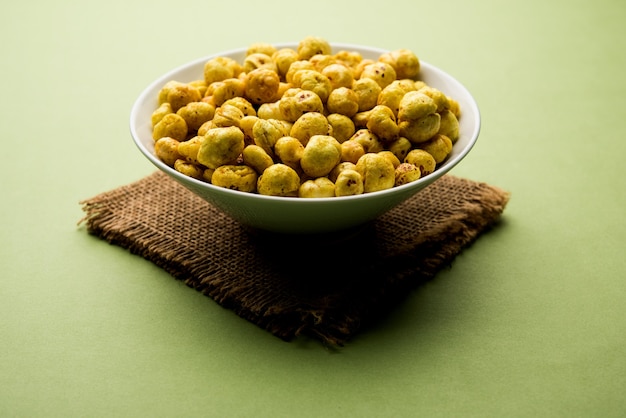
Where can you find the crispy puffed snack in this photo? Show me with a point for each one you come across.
(221, 91)
(166, 149)
(454, 107)
(283, 58)
(440, 99)
(221, 146)
(321, 61)
(420, 130)
(360, 119)
(256, 157)
(344, 165)
(339, 75)
(367, 91)
(296, 101)
(259, 60)
(297, 66)
(205, 127)
(406, 173)
(392, 95)
(162, 96)
(246, 124)
(439, 147)
(422, 160)
(313, 80)
(391, 157)
(269, 111)
(196, 114)
(266, 132)
(358, 70)
(182, 94)
(207, 174)
(449, 125)
(400, 147)
(221, 68)
(319, 187)
(262, 86)
(349, 58)
(289, 150)
(282, 88)
(381, 72)
(279, 180)
(162, 110)
(189, 169)
(342, 126)
(377, 172)
(368, 140)
(309, 124)
(382, 123)
(414, 105)
(227, 115)
(320, 155)
(243, 104)
(351, 151)
(404, 61)
(344, 101)
(262, 48)
(349, 183)
(189, 149)
(313, 45)
(235, 177)
(172, 125)
(408, 84)
(201, 85)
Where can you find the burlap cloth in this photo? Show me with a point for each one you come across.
(328, 287)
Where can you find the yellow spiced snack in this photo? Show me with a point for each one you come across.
(344, 101)
(235, 177)
(342, 127)
(421, 159)
(313, 80)
(319, 187)
(406, 173)
(305, 122)
(405, 63)
(296, 101)
(172, 125)
(221, 68)
(378, 172)
(313, 45)
(166, 149)
(348, 183)
(262, 85)
(320, 155)
(367, 91)
(309, 124)
(381, 72)
(221, 146)
(255, 157)
(289, 151)
(279, 180)
(196, 114)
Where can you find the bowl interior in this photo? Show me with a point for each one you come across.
(298, 215)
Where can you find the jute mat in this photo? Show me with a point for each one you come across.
(328, 287)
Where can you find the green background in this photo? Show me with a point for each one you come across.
(528, 322)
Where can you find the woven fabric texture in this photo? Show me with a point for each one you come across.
(328, 287)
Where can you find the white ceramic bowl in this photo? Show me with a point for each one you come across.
(304, 215)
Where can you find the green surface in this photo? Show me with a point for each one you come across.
(528, 322)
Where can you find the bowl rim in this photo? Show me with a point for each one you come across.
(417, 184)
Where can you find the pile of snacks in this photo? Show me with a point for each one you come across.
(306, 122)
